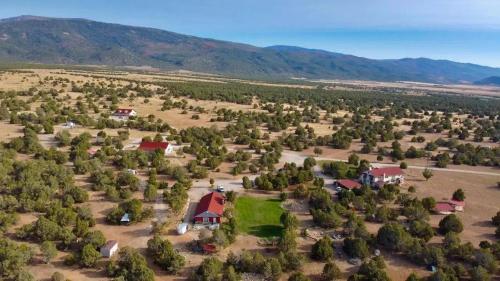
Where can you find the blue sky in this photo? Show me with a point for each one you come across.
(460, 30)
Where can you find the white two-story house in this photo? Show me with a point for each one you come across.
(377, 177)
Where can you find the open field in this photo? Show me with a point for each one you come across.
(415, 88)
(259, 217)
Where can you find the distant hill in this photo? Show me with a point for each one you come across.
(81, 41)
(490, 81)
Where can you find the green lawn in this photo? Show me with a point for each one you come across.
(259, 217)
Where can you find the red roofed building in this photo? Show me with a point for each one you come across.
(347, 184)
(152, 146)
(92, 151)
(444, 208)
(210, 209)
(379, 176)
(124, 113)
(459, 205)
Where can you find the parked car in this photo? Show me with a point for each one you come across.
(209, 249)
(355, 261)
(220, 188)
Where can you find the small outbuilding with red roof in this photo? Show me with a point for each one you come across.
(210, 209)
(444, 208)
(347, 184)
(450, 206)
(459, 205)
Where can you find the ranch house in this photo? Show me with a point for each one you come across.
(378, 177)
(124, 113)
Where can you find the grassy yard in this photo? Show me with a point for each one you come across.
(259, 217)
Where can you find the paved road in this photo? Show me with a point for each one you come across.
(295, 157)
(202, 187)
(441, 169)
(298, 159)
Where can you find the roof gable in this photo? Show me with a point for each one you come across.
(444, 207)
(211, 203)
(121, 111)
(109, 245)
(387, 171)
(349, 184)
(153, 145)
(457, 203)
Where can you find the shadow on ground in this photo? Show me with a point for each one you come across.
(266, 230)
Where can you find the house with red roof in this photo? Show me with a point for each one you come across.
(124, 113)
(448, 207)
(444, 208)
(378, 177)
(210, 209)
(92, 151)
(459, 205)
(347, 184)
(152, 146)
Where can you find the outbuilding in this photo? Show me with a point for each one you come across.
(444, 208)
(109, 249)
(459, 205)
(347, 184)
(92, 151)
(125, 219)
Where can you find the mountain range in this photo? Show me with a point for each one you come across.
(489, 81)
(85, 42)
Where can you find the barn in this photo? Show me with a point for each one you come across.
(210, 209)
(152, 146)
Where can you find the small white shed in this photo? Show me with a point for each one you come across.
(109, 249)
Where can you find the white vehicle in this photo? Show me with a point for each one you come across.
(182, 228)
(70, 125)
(220, 188)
